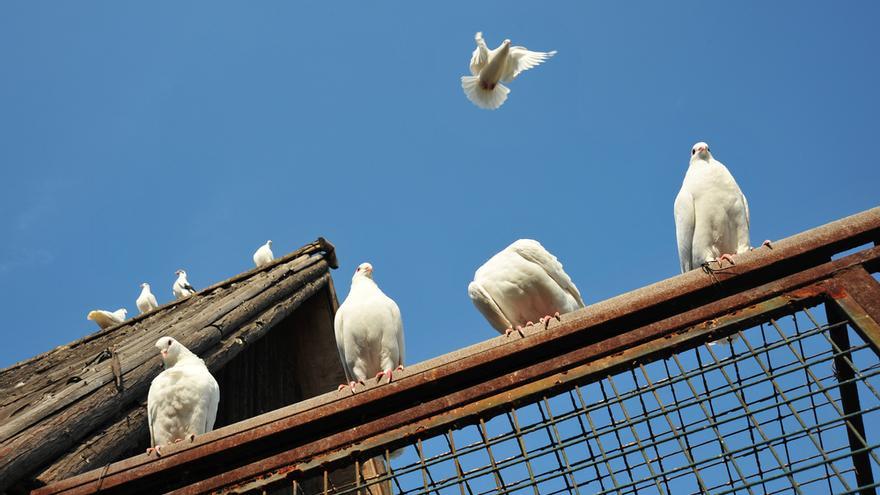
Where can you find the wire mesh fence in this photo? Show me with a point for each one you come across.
(777, 408)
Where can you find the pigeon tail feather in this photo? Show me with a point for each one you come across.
(489, 99)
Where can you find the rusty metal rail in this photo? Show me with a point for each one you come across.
(630, 395)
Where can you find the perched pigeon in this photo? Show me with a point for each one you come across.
(146, 301)
(183, 399)
(521, 284)
(711, 213)
(181, 287)
(369, 331)
(106, 319)
(504, 63)
(263, 255)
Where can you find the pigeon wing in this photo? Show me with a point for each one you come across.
(480, 56)
(488, 307)
(397, 328)
(534, 252)
(520, 59)
(685, 220)
(339, 330)
(213, 392)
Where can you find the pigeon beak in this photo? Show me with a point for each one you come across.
(164, 354)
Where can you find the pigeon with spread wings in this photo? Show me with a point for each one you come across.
(489, 68)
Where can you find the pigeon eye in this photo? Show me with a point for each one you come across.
(169, 342)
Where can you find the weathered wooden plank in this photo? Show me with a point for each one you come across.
(130, 431)
(138, 351)
(64, 426)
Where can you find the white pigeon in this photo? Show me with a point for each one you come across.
(711, 213)
(146, 301)
(183, 399)
(491, 67)
(263, 255)
(522, 284)
(106, 319)
(369, 331)
(181, 287)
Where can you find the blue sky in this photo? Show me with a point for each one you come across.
(142, 138)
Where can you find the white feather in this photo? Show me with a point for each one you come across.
(263, 255)
(521, 59)
(182, 287)
(183, 399)
(489, 67)
(711, 213)
(107, 319)
(146, 301)
(522, 283)
(369, 329)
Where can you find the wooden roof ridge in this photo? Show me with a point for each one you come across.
(53, 401)
(319, 245)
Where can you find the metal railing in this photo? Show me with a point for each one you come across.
(768, 412)
(762, 378)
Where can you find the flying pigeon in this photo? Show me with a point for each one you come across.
(711, 213)
(182, 401)
(488, 67)
(369, 331)
(146, 301)
(263, 255)
(521, 284)
(106, 319)
(181, 287)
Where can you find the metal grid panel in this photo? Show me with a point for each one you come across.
(761, 414)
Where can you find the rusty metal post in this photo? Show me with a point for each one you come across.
(849, 397)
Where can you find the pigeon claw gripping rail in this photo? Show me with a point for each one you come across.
(626, 395)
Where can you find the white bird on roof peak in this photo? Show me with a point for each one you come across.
(183, 399)
(263, 255)
(369, 331)
(711, 213)
(181, 287)
(107, 319)
(521, 284)
(491, 67)
(146, 301)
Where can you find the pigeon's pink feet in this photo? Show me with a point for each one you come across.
(350, 385)
(388, 373)
(155, 449)
(546, 319)
(723, 257)
(192, 437)
(518, 329)
(767, 243)
(177, 440)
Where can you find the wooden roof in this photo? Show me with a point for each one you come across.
(67, 410)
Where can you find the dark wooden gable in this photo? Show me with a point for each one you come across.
(267, 335)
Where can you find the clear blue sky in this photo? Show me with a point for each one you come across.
(142, 138)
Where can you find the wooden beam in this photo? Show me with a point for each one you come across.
(35, 438)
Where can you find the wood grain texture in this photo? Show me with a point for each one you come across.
(81, 405)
